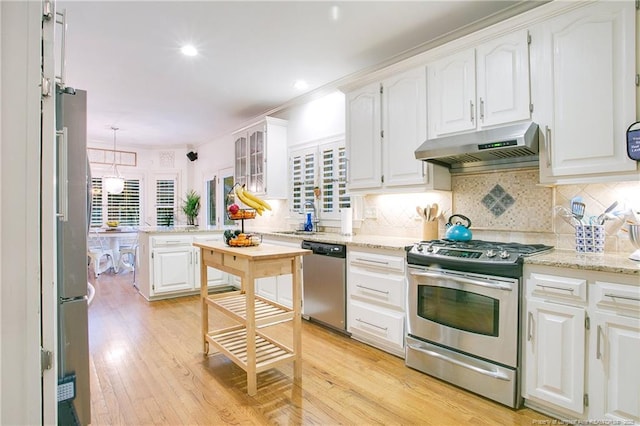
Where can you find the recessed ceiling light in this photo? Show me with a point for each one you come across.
(189, 50)
(300, 85)
(334, 13)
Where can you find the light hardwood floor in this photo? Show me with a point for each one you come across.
(147, 367)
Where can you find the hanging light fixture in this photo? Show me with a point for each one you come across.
(114, 184)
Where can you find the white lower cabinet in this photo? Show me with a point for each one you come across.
(555, 354)
(215, 277)
(278, 288)
(170, 265)
(581, 344)
(376, 287)
(615, 350)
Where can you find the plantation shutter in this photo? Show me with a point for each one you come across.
(165, 202)
(96, 202)
(302, 165)
(333, 171)
(125, 207)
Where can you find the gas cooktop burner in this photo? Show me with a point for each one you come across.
(475, 255)
(516, 249)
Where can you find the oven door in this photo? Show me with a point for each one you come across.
(472, 313)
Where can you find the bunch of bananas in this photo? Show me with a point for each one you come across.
(251, 200)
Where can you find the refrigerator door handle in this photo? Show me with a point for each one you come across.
(63, 176)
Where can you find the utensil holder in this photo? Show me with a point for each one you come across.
(429, 230)
(590, 238)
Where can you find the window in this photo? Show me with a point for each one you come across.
(303, 174)
(123, 207)
(334, 179)
(165, 202)
(324, 167)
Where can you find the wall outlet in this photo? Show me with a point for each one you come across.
(370, 213)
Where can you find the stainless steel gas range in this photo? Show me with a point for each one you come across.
(464, 314)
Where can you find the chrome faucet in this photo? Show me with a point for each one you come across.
(314, 220)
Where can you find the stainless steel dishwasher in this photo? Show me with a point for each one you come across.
(324, 284)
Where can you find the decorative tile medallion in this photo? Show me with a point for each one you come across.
(498, 200)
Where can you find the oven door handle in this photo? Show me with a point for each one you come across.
(495, 374)
(463, 280)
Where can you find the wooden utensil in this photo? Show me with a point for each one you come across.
(435, 211)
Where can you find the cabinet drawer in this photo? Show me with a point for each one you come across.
(375, 322)
(377, 287)
(374, 260)
(616, 297)
(170, 241)
(210, 257)
(235, 262)
(557, 287)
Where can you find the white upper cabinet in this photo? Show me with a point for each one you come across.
(386, 123)
(480, 87)
(363, 137)
(261, 157)
(583, 87)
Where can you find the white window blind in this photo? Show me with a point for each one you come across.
(333, 174)
(165, 202)
(302, 165)
(96, 202)
(125, 207)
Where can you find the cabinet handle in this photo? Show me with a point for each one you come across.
(547, 144)
(372, 325)
(613, 296)
(380, 262)
(372, 289)
(570, 290)
(598, 332)
(529, 326)
(63, 175)
(61, 19)
(473, 115)
(482, 110)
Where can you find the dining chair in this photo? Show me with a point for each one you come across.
(129, 253)
(99, 253)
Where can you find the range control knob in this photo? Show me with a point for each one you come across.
(491, 253)
(504, 254)
(419, 248)
(430, 248)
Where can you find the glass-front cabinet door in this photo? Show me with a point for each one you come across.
(256, 160)
(241, 160)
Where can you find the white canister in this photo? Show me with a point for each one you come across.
(346, 221)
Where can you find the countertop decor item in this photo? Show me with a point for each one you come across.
(634, 236)
(191, 206)
(458, 231)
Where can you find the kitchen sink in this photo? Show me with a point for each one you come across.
(297, 232)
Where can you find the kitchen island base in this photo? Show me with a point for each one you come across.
(242, 343)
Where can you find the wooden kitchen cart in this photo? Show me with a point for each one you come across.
(243, 343)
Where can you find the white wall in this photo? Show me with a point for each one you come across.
(315, 120)
(20, 390)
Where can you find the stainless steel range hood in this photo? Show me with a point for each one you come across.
(501, 148)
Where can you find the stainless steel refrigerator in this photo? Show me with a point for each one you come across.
(73, 188)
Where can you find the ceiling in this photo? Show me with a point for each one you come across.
(126, 54)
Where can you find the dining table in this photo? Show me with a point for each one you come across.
(115, 237)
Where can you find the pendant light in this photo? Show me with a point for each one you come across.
(114, 184)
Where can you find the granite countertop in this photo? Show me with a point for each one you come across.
(605, 262)
(178, 229)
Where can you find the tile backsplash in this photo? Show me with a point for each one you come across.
(505, 206)
(502, 205)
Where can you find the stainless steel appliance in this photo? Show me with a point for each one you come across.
(73, 185)
(464, 302)
(324, 284)
(504, 147)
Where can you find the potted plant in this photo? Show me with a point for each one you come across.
(191, 207)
